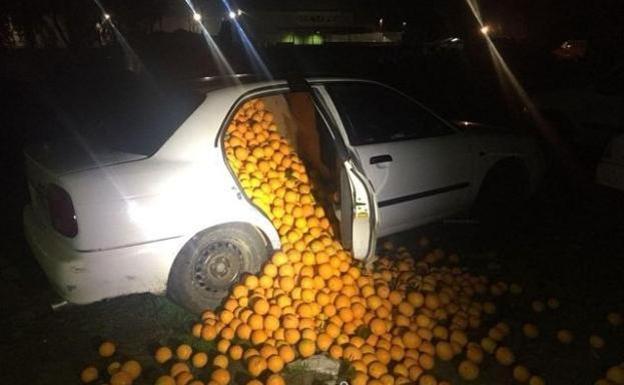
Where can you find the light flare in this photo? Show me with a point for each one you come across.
(223, 65)
(512, 88)
(254, 57)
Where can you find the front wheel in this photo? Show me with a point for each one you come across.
(211, 262)
(503, 193)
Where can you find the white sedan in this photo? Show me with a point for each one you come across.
(160, 210)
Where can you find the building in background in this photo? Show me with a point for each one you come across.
(314, 22)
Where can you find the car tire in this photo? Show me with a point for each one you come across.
(502, 194)
(211, 262)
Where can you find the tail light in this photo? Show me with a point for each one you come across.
(62, 212)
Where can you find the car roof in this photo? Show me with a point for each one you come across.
(249, 81)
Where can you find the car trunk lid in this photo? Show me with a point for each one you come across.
(67, 156)
(47, 163)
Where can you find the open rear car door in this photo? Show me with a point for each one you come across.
(358, 211)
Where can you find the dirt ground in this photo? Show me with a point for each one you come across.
(568, 244)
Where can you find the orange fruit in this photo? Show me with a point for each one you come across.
(444, 351)
(178, 368)
(359, 378)
(89, 374)
(306, 348)
(488, 344)
(223, 346)
(220, 361)
(376, 369)
(287, 353)
(468, 370)
(106, 349)
(133, 368)
(184, 351)
(275, 379)
(209, 332)
(165, 380)
(236, 352)
(530, 330)
(536, 380)
(565, 336)
(121, 378)
(258, 337)
(163, 354)
(504, 356)
(416, 299)
(256, 365)
(275, 363)
(615, 319)
(414, 372)
(411, 340)
(596, 341)
(184, 378)
(324, 341)
(243, 331)
(406, 308)
(474, 353)
(113, 367)
(261, 306)
(521, 374)
(221, 376)
(427, 379)
(335, 352)
(200, 359)
(292, 336)
(377, 326)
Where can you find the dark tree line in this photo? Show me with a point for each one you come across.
(73, 23)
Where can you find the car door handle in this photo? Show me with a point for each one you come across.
(380, 159)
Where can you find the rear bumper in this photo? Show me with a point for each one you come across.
(84, 277)
(610, 174)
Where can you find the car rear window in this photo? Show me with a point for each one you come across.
(140, 119)
(124, 113)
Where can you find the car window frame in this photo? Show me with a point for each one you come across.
(453, 130)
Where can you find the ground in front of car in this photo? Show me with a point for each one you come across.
(567, 247)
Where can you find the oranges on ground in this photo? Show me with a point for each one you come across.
(199, 359)
(106, 349)
(121, 378)
(163, 354)
(133, 368)
(184, 351)
(89, 374)
(468, 370)
(220, 376)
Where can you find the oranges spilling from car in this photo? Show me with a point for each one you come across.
(391, 322)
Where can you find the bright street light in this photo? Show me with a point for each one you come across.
(232, 15)
(106, 16)
(197, 17)
(485, 29)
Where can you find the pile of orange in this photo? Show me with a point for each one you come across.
(392, 323)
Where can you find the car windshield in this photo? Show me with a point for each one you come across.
(137, 117)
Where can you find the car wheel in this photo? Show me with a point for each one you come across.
(211, 262)
(503, 192)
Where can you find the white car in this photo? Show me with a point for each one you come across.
(160, 211)
(587, 116)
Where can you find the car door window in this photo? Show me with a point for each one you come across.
(373, 113)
